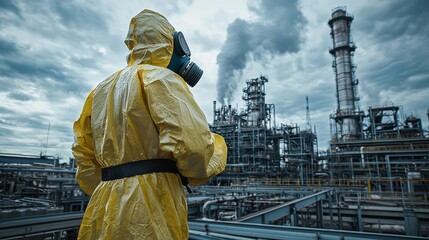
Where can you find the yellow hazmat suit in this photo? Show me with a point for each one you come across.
(144, 111)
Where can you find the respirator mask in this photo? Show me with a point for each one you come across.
(181, 63)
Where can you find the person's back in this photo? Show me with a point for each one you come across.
(143, 112)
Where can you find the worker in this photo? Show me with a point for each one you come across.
(141, 135)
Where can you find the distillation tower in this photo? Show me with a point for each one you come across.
(380, 148)
(347, 115)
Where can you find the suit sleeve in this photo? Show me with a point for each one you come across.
(184, 131)
(88, 172)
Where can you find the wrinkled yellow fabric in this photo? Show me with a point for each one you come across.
(144, 111)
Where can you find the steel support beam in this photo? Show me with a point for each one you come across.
(40, 224)
(236, 230)
(412, 226)
(359, 219)
(319, 211)
(293, 217)
(271, 214)
(331, 214)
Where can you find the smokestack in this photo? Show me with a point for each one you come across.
(342, 50)
(214, 111)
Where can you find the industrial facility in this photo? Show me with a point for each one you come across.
(371, 183)
(375, 158)
(382, 147)
(258, 148)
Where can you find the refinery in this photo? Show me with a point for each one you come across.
(371, 183)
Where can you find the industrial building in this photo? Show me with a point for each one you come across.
(371, 183)
(34, 185)
(258, 148)
(381, 147)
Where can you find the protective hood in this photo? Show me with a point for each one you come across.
(149, 39)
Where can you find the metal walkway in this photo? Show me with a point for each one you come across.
(243, 231)
(199, 229)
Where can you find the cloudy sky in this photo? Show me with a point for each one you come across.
(54, 52)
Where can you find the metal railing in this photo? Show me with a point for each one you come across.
(55, 224)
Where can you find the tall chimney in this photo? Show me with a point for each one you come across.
(214, 111)
(342, 51)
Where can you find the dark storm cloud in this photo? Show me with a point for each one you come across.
(9, 5)
(46, 74)
(395, 35)
(74, 15)
(49, 69)
(85, 62)
(47, 49)
(392, 19)
(401, 68)
(277, 30)
(33, 69)
(7, 47)
(20, 96)
(34, 122)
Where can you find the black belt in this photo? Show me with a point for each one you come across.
(141, 167)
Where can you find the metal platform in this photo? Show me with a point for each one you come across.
(199, 229)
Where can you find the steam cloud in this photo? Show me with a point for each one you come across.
(277, 30)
